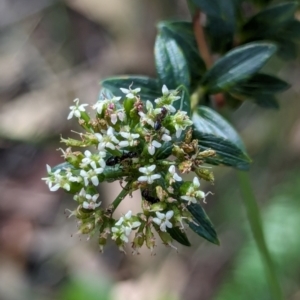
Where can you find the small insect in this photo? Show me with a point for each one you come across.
(114, 160)
(147, 196)
(159, 118)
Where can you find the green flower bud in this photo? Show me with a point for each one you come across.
(150, 240)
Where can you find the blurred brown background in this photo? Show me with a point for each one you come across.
(55, 51)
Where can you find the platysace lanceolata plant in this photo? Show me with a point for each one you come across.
(136, 142)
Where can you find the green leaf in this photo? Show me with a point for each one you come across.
(266, 101)
(237, 65)
(150, 87)
(291, 31)
(171, 65)
(220, 24)
(260, 84)
(179, 236)
(228, 154)
(204, 227)
(210, 7)
(183, 34)
(184, 103)
(209, 121)
(262, 24)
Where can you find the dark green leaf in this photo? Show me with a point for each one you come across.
(237, 65)
(184, 103)
(260, 84)
(291, 31)
(178, 236)
(183, 34)
(287, 50)
(209, 121)
(171, 65)
(204, 227)
(210, 7)
(262, 24)
(228, 153)
(266, 101)
(150, 88)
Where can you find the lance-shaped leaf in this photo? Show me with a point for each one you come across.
(179, 236)
(171, 65)
(150, 87)
(260, 84)
(262, 24)
(237, 65)
(202, 224)
(266, 101)
(214, 132)
(183, 34)
(209, 121)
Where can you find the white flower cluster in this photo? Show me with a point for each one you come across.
(128, 138)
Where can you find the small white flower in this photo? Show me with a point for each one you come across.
(56, 180)
(107, 140)
(76, 109)
(175, 176)
(180, 121)
(93, 159)
(193, 193)
(169, 96)
(148, 177)
(91, 202)
(91, 175)
(152, 146)
(130, 139)
(121, 232)
(130, 94)
(99, 106)
(163, 220)
(69, 175)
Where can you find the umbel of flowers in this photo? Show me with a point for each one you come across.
(146, 145)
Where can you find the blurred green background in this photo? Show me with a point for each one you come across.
(55, 51)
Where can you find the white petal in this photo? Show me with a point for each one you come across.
(95, 180)
(151, 149)
(169, 214)
(163, 226)
(196, 182)
(160, 215)
(156, 144)
(151, 168)
(166, 138)
(124, 144)
(143, 170)
(128, 215)
(172, 169)
(157, 221)
(125, 91)
(143, 178)
(125, 135)
(165, 90)
(177, 177)
(169, 224)
(136, 224)
(155, 176)
(178, 132)
(113, 118)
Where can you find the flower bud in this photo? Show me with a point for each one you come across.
(205, 174)
(86, 228)
(158, 206)
(150, 240)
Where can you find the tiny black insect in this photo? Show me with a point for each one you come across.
(114, 160)
(159, 118)
(147, 196)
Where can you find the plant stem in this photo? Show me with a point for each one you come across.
(201, 40)
(125, 191)
(256, 225)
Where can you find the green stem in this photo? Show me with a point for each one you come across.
(255, 221)
(125, 191)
